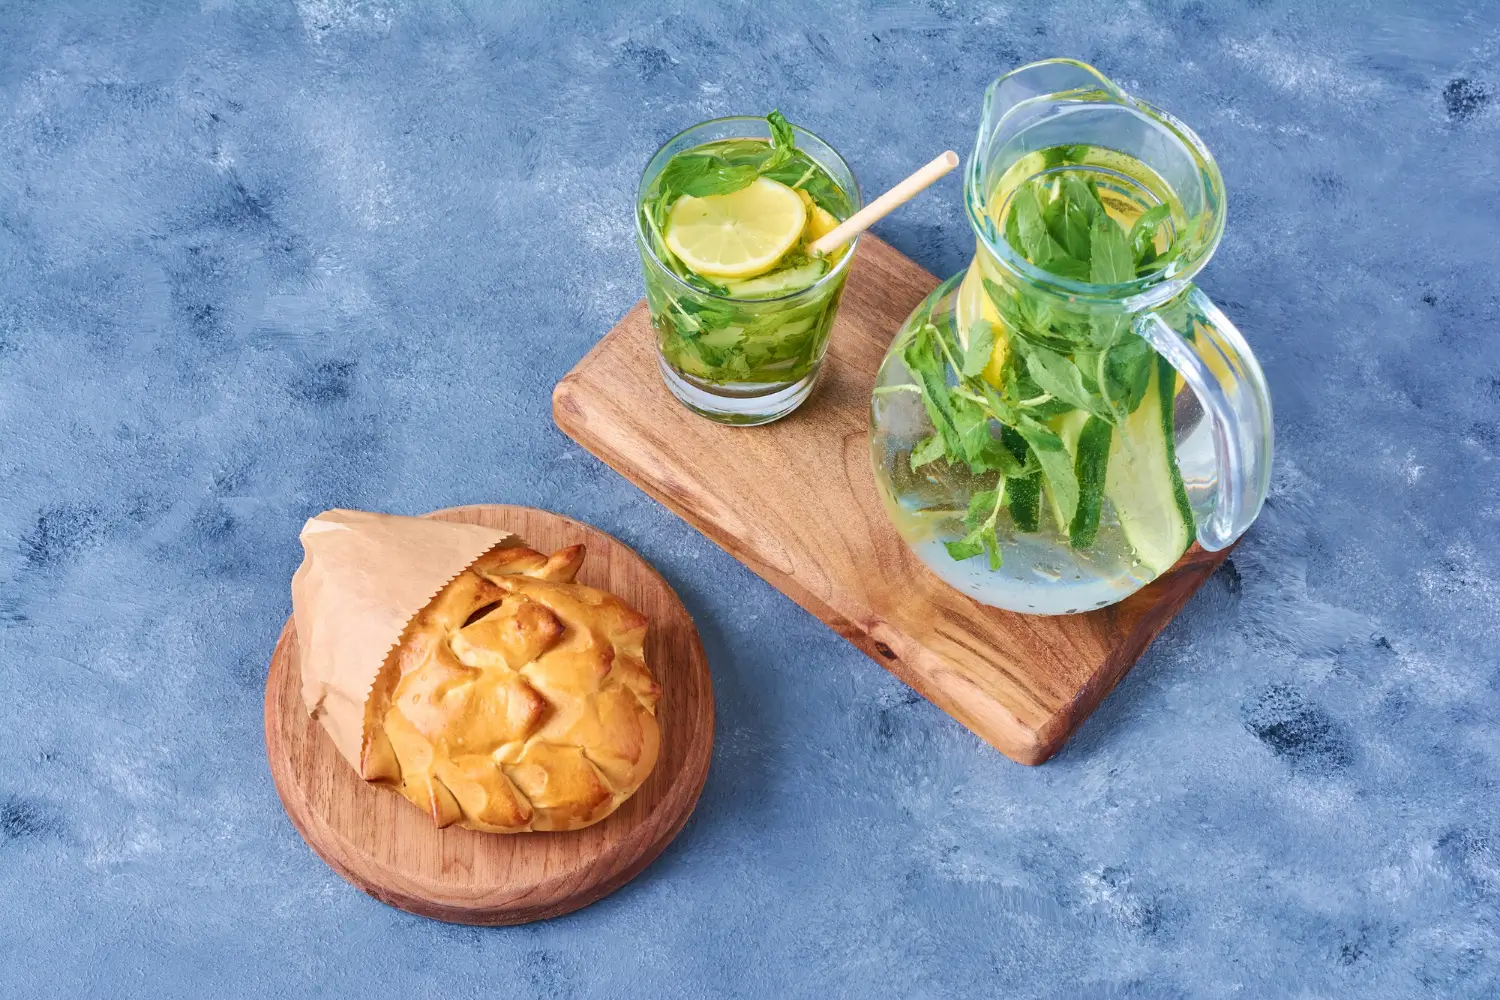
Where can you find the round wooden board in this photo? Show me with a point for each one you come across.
(385, 846)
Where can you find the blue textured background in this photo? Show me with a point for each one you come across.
(260, 259)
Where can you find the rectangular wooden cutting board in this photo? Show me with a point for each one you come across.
(796, 502)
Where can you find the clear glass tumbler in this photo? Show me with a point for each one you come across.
(743, 361)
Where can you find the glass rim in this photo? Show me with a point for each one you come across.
(1187, 267)
(858, 201)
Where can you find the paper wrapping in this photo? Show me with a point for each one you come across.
(363, 576)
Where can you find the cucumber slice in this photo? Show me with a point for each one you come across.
(1089, 463)
(1143, 483)
(1166, 384)
(1023, 496)
(785, 282)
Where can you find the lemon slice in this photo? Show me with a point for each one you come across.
(736, 235)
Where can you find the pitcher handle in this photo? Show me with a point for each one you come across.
(1201, 343)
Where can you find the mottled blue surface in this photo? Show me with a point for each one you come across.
(260, 259)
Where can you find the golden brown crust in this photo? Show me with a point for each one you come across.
(516, 700)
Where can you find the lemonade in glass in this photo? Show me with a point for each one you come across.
(742, 307)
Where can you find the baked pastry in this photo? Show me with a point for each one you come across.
(516, 700)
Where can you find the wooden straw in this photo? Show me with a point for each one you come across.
(885, 204)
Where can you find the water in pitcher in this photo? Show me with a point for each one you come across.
(1029, 442)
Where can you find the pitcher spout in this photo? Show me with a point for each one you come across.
(1043, 81)
(1041, 111)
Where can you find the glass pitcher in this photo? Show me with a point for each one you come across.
(1054, 427)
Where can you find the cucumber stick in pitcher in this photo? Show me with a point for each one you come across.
(1141, 474)
(1143, 483)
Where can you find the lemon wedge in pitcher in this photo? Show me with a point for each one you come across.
(974, 306)
(736, 235)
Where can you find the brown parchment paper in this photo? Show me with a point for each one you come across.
(363, 576)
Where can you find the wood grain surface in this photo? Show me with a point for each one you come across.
(796, 501)
(385, 846)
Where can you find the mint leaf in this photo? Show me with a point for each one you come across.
(1066, 267)
(800, 173)
(1030, 233)
(1058, 375)
(1049, 408)
(783, 141)
(1142, 235)
(968, 548)
(1110, 261)
(1127, 371)
(1055, 156)
(981, 344)
(1056, 463)
(1069, 225)
(922, 362)
(991, 546)
(1051, 229)
(701, 174)
(1025, 314)
(704, 174)
(1013, 233)
(1185, 238)
(981, 506)
(1082, 197)
(1106, 328)
(1036, 312)
(984, 508)
(1037, 245)
(997, 458)
(974, 435)
(929, 450)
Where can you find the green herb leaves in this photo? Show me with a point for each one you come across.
(1058, 222)
(1056, 374)
(1142, 237)
(922, 360)
(984, 510)
(1057, 464)
(964, 414)
(1041, 414)
(1110, 260)
(708, 170)
(981, 344)
(1033, 237)
(930, 450)
(704, 174)
(783, 142)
